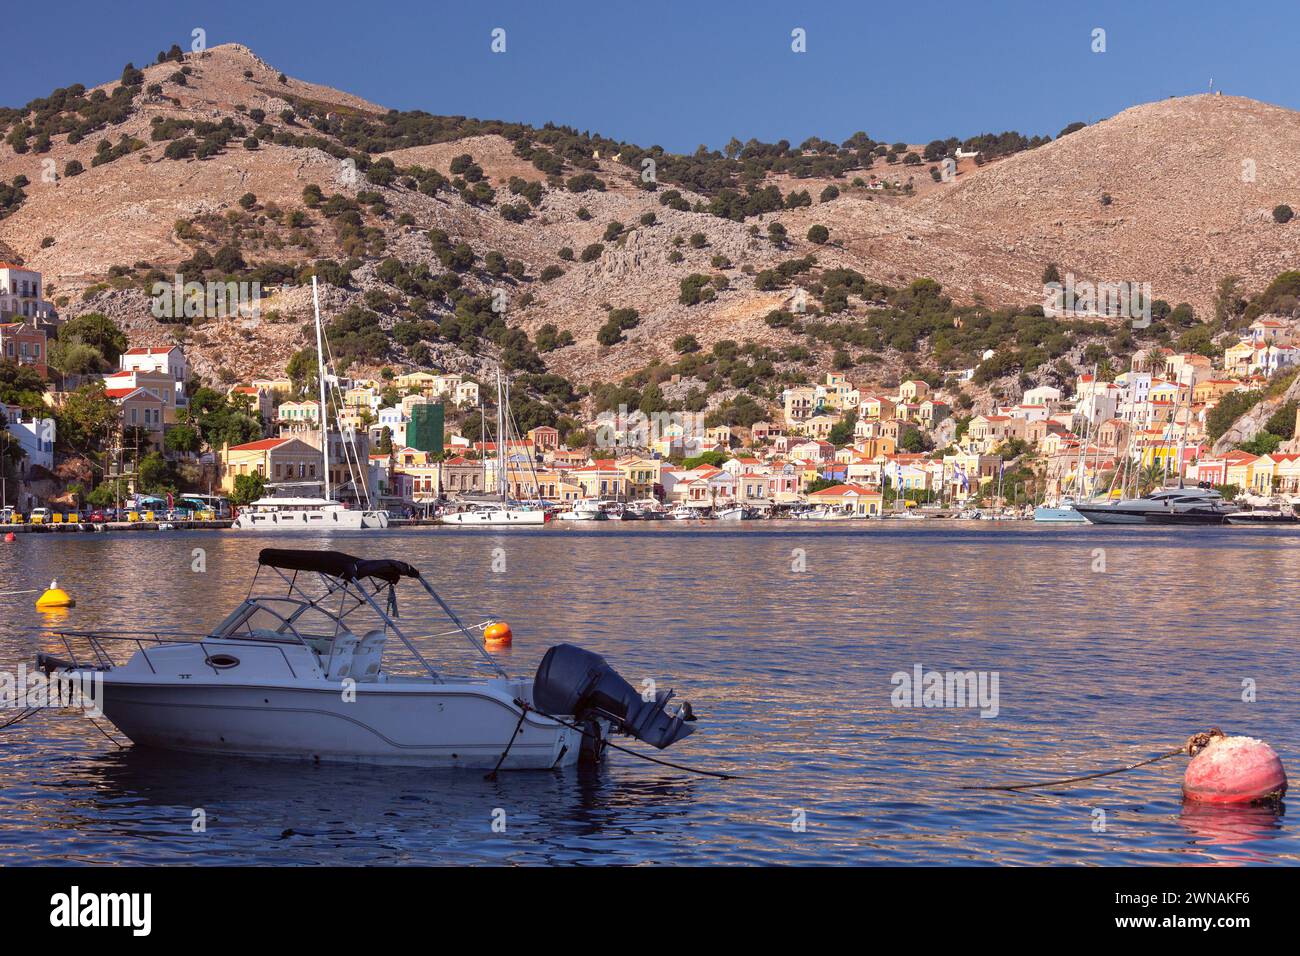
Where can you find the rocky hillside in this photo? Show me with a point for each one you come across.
(213, 152)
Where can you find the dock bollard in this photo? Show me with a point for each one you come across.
(1235, 770)
(53, 597)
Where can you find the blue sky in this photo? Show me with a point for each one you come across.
(679, 74)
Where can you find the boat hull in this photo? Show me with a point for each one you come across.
(448, 725)
(496, 517)
(1248, 518)
(1104, 515)
(331, 519)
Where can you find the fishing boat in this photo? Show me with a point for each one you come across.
(313, 665)
(733, 513)
(275, 513)
(505, 512)
(829, 513)
(645, 510)
(684, 513)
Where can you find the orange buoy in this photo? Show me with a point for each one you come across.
(497, 632)
(1235, 770)
(9, 538)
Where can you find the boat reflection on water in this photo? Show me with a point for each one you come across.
(337, 814)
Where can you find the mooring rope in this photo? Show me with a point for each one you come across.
(1193, 745)
(610, 743)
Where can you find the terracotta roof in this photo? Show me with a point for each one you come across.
(159, 350)
(265, 444)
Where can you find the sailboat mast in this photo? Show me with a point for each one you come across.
(501, 449)
(320, 371)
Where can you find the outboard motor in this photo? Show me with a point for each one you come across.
(579, 683)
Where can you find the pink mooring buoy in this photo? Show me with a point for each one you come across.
(1235, 770)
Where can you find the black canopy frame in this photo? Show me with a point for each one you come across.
(350, 575)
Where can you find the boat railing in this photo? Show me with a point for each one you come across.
(100, 656)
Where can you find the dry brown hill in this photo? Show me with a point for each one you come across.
(1179, 215)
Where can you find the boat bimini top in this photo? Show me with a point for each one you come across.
(356, 582)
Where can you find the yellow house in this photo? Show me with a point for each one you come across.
(1239, 469)
(913, 390)
(642, 474)
(275, 459)
(1237, 358)
(420, 380)
(857, 499)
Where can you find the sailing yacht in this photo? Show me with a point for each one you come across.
(504, 513)
(311, 514)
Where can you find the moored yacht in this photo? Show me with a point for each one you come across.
(504, 512)
(1162, 501)
(310, 514)
(306, 514)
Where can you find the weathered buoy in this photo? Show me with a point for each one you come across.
(1235, 770)
(54, 596)
(498, 633)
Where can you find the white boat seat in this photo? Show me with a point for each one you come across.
(340, 659)
(369, 655)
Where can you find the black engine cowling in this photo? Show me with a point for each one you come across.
(571, 681)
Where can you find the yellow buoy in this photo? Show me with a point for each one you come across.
(55, 596)
(498, 633)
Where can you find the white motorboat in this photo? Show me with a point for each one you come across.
(829, 513)
(684, 513)
(305, 670)
(587, 510)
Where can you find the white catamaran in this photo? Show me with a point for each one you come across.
(308, 514)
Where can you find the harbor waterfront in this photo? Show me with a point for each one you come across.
(1094, 647)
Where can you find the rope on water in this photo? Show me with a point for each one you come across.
(1193, 745)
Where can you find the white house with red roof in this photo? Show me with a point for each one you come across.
(166, 360)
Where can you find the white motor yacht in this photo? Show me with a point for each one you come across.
(313, 668)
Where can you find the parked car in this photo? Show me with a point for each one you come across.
(39, 516)
(96, 517)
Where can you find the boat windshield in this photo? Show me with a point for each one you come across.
(278, 619)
